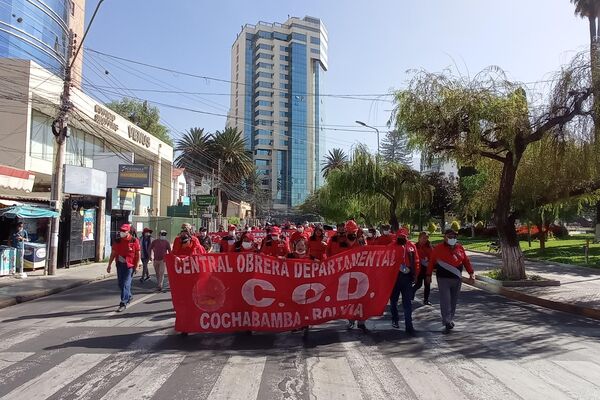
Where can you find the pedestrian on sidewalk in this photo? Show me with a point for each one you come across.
(448, 259)
(18, 240)
(409, 270)
(146, 242)
(424, 249)
(158, 249)
(126, 254)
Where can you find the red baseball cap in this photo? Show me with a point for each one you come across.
(402, 232)
(147, 230)
(125, 228)
(231, 227)
(249, 236)
(275, 230)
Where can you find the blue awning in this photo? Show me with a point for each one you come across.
(27, 211)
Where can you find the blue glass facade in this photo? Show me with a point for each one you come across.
(298, 168)
(319, 136)
(35, 30)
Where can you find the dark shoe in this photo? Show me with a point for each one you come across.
(451, 324)
(305, 332)
(447, 329)
(362, 326)
(121, 308)
(142, 279)
(411, 332)
(159, 290)
(427, 303)
(395, 325)
(130, 300)
(350, 325)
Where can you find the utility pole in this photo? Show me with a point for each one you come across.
(60, 131)
(219, 185)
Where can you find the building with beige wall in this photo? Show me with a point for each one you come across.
(276, 72)
(99, 140)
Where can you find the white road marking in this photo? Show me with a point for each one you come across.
(8, 359)
(11, 340)
(331, 379)
(240, 379)
(133, 303)
(146, 378)
(584, 369)
(426, 380)
(574, 386)
(51, 381)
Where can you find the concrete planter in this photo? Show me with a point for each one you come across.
(522, 283)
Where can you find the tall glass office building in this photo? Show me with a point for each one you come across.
(38, 30)
(276, 73)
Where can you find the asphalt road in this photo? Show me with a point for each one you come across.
(74, 346)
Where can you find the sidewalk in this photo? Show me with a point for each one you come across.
(36, 285)
(579, 286)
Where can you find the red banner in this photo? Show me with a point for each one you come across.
(248, 291)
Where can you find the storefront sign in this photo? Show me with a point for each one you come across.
(248, 291)
(134, 176)
(105, 118)
(85, 181)
(123, 200)
(89, 220)
(138, 136)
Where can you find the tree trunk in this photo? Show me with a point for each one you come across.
(473, 227)
(443, 223)
(393, 217)
(542, 237)
(513, 265)
(595, 63)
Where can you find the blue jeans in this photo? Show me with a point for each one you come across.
(402, 287)
(124, 277)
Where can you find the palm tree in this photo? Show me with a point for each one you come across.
(194, 153)
(336, 159)
(228, 148)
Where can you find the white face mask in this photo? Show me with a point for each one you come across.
(386, 232)
(232, 233)
(163, 236)
(123, 234)
(369, 235)
(452, 242)
(300, 229)
(230, 241)
(247, 245)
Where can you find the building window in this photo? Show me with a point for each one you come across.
(283, 104)
(264, 56)
(264, 84)
(284, 76)
(264, 46)
(264, 142)
(72, 8)
(263, 112)
(283, 58)
(265, 35)
(264, 75)
(299, 36)
(264, 65)
(264, 93)
(315, 51)
(264, 132)
(315, 40)
(280, 36)
(262, 163)
(263, 152)
(284, 114)
(284, 86)
(284, 48)
(284, 67)
(264, 103)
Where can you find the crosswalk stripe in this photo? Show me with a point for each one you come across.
(526, 384)
(51, 381)
(9, 341)
(331, 378)
(8, 359)
(585, 369)
(420, 373)
(375, 374)
(146, 378)
(574, 386)
(240, 379)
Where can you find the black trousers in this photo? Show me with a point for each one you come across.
(420, 281)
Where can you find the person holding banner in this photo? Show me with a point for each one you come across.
(371, 235)
(349, 242)
(228, 241)
(276, 246)
(299, 246)
(448, 259)
(386, 236)
(317, 244)
(205, 239)
(126, 252)
(246, 244)
(424, 249)
(333, 246)
(186, 244)
(409, 270)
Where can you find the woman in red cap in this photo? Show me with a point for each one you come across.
(277, 246)
(246, 244)
(351, 241)
(126, 252)
(186, 244)
(299, 246)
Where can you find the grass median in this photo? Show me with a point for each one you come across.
(568, 250)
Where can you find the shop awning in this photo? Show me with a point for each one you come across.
(26, 211)
(14, 178)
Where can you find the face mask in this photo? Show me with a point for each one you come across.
(230, 242)
(202, 234)
(163, 235)
(386, 232)
(123, 234)
(300, 229)
(452, 241)
(402, 241)
(147, 234)
(301, 252)
(369, 235)
(246, 245)
(232, 233)
(274, 237)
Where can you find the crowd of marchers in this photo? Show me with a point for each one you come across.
(418, 261)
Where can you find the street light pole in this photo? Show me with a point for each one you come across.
(60, 131)
(376, 130)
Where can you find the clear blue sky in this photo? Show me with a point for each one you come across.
(372, 44)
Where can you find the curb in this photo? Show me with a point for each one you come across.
(37, 294)
(533, 260)
(525, 298)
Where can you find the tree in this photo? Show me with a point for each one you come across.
(490, 117)
(391, 184)
(336, 159)
(445, 195)
(233, 161)
(394, 148)
(144, 116)
(194, 153)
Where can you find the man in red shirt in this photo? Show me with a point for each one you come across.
(386, 236)
(227, 243)
(126, 252)
(409, 270)
(448, 259)
(277, 246)
(186, 244)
